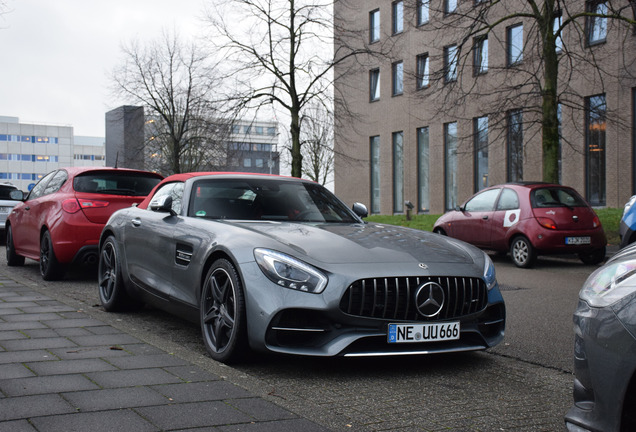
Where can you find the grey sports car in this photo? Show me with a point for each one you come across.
(279, 264)
(605, 349)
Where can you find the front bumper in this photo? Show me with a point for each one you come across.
(292, 322)
(604, 364)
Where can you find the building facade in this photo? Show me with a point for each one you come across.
(440, 113)
(249, 146)
(29, 151)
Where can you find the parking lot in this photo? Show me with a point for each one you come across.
(523, 384)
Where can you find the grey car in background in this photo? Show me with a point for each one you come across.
(279, 264)
(6, 205)
(605, 349)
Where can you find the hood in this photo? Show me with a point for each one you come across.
(363, 243)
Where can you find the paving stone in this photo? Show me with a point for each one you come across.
(105, 421)
(58, 322)
(131, 378)
(88, 352)
(11, 335)
(260, 409)
(63, 367)
(109, 339)
(293, 425)
(25, 356)
(4, 326)
(193, 415)
(201, 391)
(147, 361)
(46, 309)
(40, 343)
(31, 317)
(15, 370)
(16, 426)
(190, 373)
(118, 398)
(15, 408)
(45, 384)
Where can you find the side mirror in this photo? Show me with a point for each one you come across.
(459, 208)
(162, 204)
(360, 210)
(17, 195)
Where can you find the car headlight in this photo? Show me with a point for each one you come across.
(489, 273)
(609, 284)
(289, 272)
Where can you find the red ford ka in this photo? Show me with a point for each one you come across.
(59, 222)
(528, 219)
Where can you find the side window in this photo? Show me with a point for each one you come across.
(484, 201)
(175, 190)
(38, 189)
(56, 182)
(508, 200)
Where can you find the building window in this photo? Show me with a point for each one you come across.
(556, 26)
(595, 119)
(258, 163)
(514, 44)
(480, 137)
(597, 25)
(480, 55)
(422, 73)
(398, 17)
(450, 63)
(423, 9)
(374, 85)
(423, 198)
(398, 78)
(398, 172)
(247, 163)
(374, 26)
(450, 6)
(375, 174)
(450, 165)
(515, 145)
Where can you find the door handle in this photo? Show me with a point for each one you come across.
(484, 217)
(136, 222)
(27, 208)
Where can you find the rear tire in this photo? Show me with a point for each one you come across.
(592, 258)
(112, 290)
(13, 259)
(522, 252)
(50, 268)
(223, 315)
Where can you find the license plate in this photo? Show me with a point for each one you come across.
(405, 333)
(578, 240)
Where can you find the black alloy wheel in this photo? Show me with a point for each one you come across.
(223, 321)
(112, 291)
(13, 259)
(50, 268)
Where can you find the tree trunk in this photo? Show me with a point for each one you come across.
(550, 118)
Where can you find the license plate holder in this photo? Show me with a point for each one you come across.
(423, 332)
(581, 240)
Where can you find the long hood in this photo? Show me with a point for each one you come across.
(363, 243)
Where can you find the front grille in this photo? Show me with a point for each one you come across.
(394, 298)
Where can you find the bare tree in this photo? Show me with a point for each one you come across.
(280, 53)
(541, 82)
(317, 145)
(174, 82)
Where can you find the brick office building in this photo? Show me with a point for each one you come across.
(436, 120)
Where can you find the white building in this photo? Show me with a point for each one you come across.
(29, 151)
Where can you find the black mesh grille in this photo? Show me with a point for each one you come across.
(394, 298)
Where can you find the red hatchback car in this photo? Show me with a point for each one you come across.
(59, 222)
(528, 219)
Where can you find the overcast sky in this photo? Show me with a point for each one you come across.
(57, 55)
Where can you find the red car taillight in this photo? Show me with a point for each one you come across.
(596, 222)
(73, 205)
(547, 223)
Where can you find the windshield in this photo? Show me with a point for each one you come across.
(267, 199)
(556, 197)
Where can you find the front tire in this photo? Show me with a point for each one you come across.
(112, 291)
(522, 252)
(223, 316)
(50, 268)
(13, 259)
